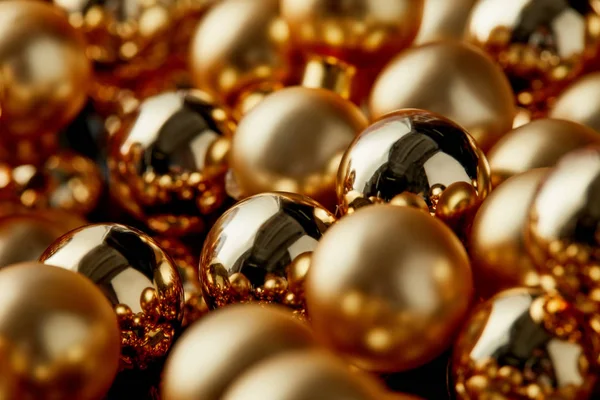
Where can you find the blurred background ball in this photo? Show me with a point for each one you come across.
(444, 20)
(579, 102)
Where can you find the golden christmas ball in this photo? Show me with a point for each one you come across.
(293, 142)
(579, 102)
(453, 79)
(45, 73)
(388, 287)
(537, 144)
(167, 161)
(444, 20)
(523, 344)
(215, 351)
(259, 250)
(136, 276)
(58, 335)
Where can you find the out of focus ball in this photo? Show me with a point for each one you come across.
(444, 20)
(579, 102)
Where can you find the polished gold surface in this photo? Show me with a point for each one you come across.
(538, 144)
(44, 72)
(444, 20)
(215, 351)
(453, 79)
(58, 335)
(407, 199)
(523, 344)
(564, 229)
(292, 141)
(254, 251)
(497, 239)
(136, 276)
(329, 73)
(168, 161)
(303, 375)
(239, 43)
(388, 287)
(253, 95)
(541, 45)
(579, 102)
(364, 33)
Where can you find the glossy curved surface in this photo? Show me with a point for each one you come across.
(444, 20)
(137, 277)
(168, 161)
(579, 102)
(249, 253)
(513, 347)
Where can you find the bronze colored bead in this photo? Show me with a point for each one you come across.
(443, 20)
(137, 277)
(167, 161)
(259, 250)
(523, 344)
(579, 102)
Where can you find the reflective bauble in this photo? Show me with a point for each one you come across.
(579, 102)
(444, 20)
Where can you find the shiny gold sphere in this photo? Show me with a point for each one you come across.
(364, 33)
(293, 141)
(541, 45)
(45, 73)
(167, 161)
(58, 335)
(453, 79)
(497, 239)
(259, 250)
(237, 44)
(538, 144)
(214, 352)
(579, 102)
(523, 344)
(388, 287)
(444, 20)
(136, 276)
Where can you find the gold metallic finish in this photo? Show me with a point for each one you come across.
(363, 33)
(258, 249)
(523, 344)
(497, 239)
(453, 79)
(407, 199)
(538, 144)
(237, 44)
(579, 102)
(167, 161)
(136, 276)
(44, 72)
(388, 287)
(293, 142)
(58, 335)
(253, 95)
(329, 73)
(444, 20)
(218, 349)
(542, 45)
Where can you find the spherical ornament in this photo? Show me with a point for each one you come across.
(168, 161)
(452, 79)
(58, 335)
(564, 229)
(259, 250)
(444, 20)
(417, 152)
(45, 74)
(138, 278)
(293, 141)
(215, 351)
(388, 287)
(497, 243)
(541, 44)
(579, 102)
(538, 144)
(523, 344)
(237, 44)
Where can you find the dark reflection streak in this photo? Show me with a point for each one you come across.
(584, 225)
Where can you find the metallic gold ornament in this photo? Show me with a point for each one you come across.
(497, 238)
(579, 102)
(138, 278)
(453, 79)
(388, 287)
(215, 351)
(538, 144)
(418, 152)
(168, 161)
(541, 44)
(444, 20)
(58, 335)
(259, 250)
(45, 74)
(523, 344)
(329, 73)
(293, 141)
